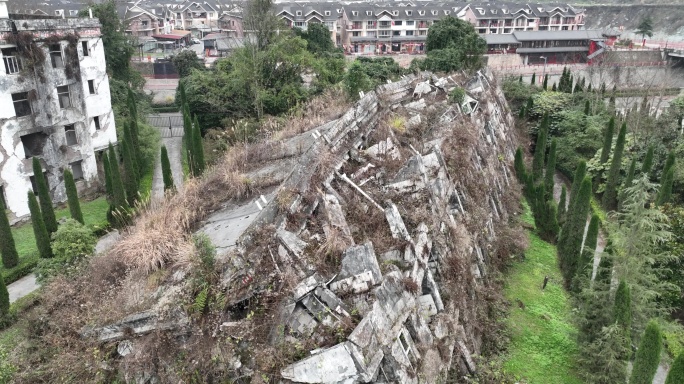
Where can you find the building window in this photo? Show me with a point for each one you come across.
(355, 13)
(56, 56)
(33, 144)
(356, 34)
(64, 97)
(77, 169)
(398, 22)
(86, 51)
(371, 34)
(421, 13)
(369, 13)
(409, 33)
(91, 86)
(327, 13)
(410, 22)
(300, 24)
(409, 13)
(211, 14)
(96, 120)
(70, 133)
(22, 105)
(299, 13)
(145, 23)
(422, 33)
(73, 13)
(11, 60)
(396, 33)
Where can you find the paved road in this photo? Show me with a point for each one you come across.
(173, 147)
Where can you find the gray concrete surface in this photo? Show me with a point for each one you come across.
(174, 146)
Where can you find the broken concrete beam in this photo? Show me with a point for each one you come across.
(384, 148)
(318, 310)
(332, 301)
(421, 89)
(293, 243)
(136, 324)
(368, 364)
(358, 259)
(301, 322)
(332, 365)
(307, 285)
(396, 223)
(335, 217)
(362, 282)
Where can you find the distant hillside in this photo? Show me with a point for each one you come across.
(668, 19)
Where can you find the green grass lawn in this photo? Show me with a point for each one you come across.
(542, 349)
(94, 213)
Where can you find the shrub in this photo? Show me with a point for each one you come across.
(10, 257)
(648, 355)
(457, 95)
(71, 243)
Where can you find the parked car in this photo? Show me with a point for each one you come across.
(195, 40)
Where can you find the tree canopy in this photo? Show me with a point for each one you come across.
(185, 62)
(453, 44)
(645, 27)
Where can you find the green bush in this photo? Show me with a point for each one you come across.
(457, 95)
(70, 244)
(648, 355)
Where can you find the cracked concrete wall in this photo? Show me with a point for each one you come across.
(47, 117)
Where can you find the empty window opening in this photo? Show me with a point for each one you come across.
(91, 86)
(86, 51)
(56, 56)
(11, 61)
(22, 105)
(70, 133)
(404, 344)
(63, 96)
(96, 121)
(33, 144)
(77, 169)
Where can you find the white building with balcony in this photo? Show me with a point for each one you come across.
(54, 106)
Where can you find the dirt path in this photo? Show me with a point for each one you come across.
(173, 147)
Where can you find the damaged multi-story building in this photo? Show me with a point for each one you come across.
(54, 104)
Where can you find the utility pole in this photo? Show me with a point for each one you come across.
(544, 72)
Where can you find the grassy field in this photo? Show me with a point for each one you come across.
(94, 213)
(542, 348)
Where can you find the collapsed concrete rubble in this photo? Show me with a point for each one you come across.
(387, 219)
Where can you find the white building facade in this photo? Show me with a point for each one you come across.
(57, 108)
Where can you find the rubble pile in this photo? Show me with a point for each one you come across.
(384, 221)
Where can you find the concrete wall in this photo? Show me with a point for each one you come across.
(49, 119)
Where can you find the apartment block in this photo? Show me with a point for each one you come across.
(54, 105)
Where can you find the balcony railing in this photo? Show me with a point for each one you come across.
(423, 25)
(385, 26)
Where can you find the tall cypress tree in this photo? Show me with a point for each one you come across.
(570, 240)
(548, 230)
(647, 166)
(134, 129)
(118, 194)
(540, 148)
(133, 166)
(648, 355)
(577, 179)
(669, 162)
(587, 108)
(587, 259)
(197, 149)
(519, 166)
(534, 77)
(562, 202)
(108, 176)
(553, 87)
(622, 310)
(166, 169)
(545, 84)
(665, 192)
(44, 195)
(628, 182)
(4, 298)
(72, 197)
(550, 169)
(41, 234)
(610, 194)
(130, 182)
(676, 374)
(8, 249)
(529, 106)
(605, 150)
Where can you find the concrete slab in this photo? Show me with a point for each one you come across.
(332, 365)
(22, 287)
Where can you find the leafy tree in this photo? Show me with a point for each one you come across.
(676, 373)
(46, 207)
(648, 355)
(72, 197)
(166, 169)
(628, 181)
(610, 194)
(550, 168)
(519, 166)
(602, 359)
(562, 204)
(8, 249)
(71, 243)
(317, 36)
(41, 234)
(4, 298)
(453, 44)
(665, 193)
(186, 61)
(197, 151)
(577, 179)
(645, 28)
(622, 310)
(540, 149)
(647, 165)
(570, 239)
(586, 262)
(356, 80)
(108, 176)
